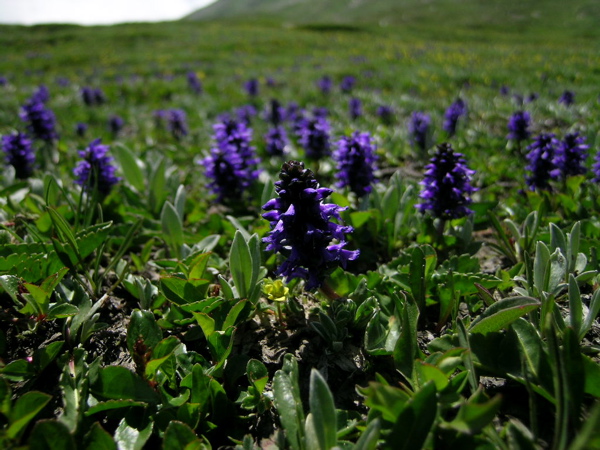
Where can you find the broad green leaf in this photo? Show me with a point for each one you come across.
(130, 166)
(112, 405)
(24, 410)
(172, 228)
(289, 409)
(473, 417)
(129, 438)
(98, 439)
(206, 322)
(417, 277)
(142, 325)
(428, 372)
(51, 435)
(322, 409)
(240, 265)
(182, 292)
(45, 355)
(220, 344)
(415, 421)
(257, 374)
(156, 186)
(178, 435)
(62, 310)
(5, 396)
(388, 400)
(503, 313)
(10, 284)
(369, 437)
(119, 383)
(18, 370)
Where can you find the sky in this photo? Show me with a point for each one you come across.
(95, 12)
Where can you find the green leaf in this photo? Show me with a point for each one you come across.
(112, 405)
(240, 265)
(63, 230)
(369, 437)
(5, 396)
(289, 407)
(62, 310)
(18, 370)
(415, 421)
(182, 292)
(406, 348)
(575, 305)
(178, 435)
(10, 284)
(473, 417)
(322, 409)
(24, 410)
(172, 228)
(129, 438)
(503, 313)
(387, 400)
(98, 439)
(417, 277)
(156, 186)
(220, 344)
(258, 374)
(45, 355)
(130, 166)
(51, 435)
(119, 383)
(142, 325)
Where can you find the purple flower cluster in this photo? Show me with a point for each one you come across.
(19, 154)
(251, 86)
(567, 98)
(355, 108)
(81, 129)
(325, 84)
(355, 157)
(418, 129)
(385, 113)
(596, 168)
(347, 84)
(41, 122)
(275, 113)
(245, 113)
(571, 155)
(231, 165)
(518, 126)
(177, 123)
(301, 227)
(96, 169)
(115, 124)
(313, 136)
(92, 96)
(447, 185)
(454, 112)
(542, 162)
(276, 141)
(194, 82)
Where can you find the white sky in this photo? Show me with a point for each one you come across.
(95, 12)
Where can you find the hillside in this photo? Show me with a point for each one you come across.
(552, 18)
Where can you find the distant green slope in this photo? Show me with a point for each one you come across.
(551, 18)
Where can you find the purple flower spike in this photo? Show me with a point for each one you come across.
(518, 126)
(325, 84)
(313, 135)
(41, 122)
(177, 123)
(42, 94)
(347, 84)
(355, 157)
(115, 124)
(81, 129)
(571, 155)
(194, 82)
(92, 97)
(96, 169)
(454, 112)
(245, 113)
(251, 87)
(418, 129)
(275, 113)
(567, 98)
(386, 114)
(355, 108)
(19, 154)
(276, 141)
(447, 186)
(232, 164)
(541, 157)
(302, 230)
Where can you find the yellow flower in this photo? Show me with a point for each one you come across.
(276, 291)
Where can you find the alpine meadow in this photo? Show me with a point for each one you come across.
(305, 225)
